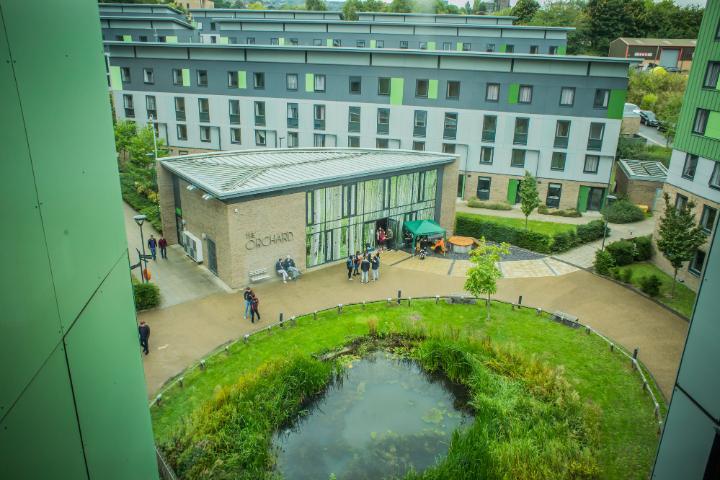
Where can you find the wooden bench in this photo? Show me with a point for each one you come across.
(566, 318)
(258, 275)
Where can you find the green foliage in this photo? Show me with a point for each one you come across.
(644, 249)
(604, 262)
(682, 300)
(400, 6)
(529, 197)
(664, 90)
(483, 275)
(564, 241)
(566, 13)
(475, 203)
(630, 149)
(623, 211)
(125, 130)
(146, 295)
(591, 231)
(138, 201)
(318, 5)
(648, 102)
(525, 10)
(622, 251)
(650, 284)
(350, 10)
(626, 275)
(570, 212)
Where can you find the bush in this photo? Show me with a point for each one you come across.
(643, 248)
(564, 241)
(475, 203)
(139, 202)
(627, 275)
(623, 211)
(622, 251)
(604, 262)
(570, 212)
(651, 285)
(147, 295)
(616, 274)
(591, 231)
(471, 226)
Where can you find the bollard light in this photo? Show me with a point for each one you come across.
(635, 353)
(409, 300)
(181, 382)
(227, 349)
(339, 308)
(315, 315)
(437, 299)
(363, 305)
(389, 300)
(246, 338)
(612, 347)
(539, 311)
(202, 364)
(158, 400)
(292, 320)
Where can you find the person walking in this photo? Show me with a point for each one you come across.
(247, 296)
(365, 268)
(350, 264)
(389, 235)
(356, 263)
(162, 243)
(144, 333)
(375, 264)
(281, 270)
(381, 239)
(254, 304)
(152, 244)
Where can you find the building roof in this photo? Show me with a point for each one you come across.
(226, 175)
(663, 42)
(138, 6)
(649, 170)
(145, 18)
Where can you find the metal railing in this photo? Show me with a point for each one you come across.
(594, 144)
(520, 138)
(488, 135)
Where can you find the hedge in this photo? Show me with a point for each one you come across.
(623, 211)
(147, 295)
(475, 203)
(625, 252)
(471, 226)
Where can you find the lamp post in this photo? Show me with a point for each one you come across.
(140, 219)
(152, 124)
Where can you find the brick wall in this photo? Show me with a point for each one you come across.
(166, 198)
(449, 196)
(639, 192)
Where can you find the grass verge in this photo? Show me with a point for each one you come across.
(684, 298)
(547, 228)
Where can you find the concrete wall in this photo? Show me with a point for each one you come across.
(447, 198)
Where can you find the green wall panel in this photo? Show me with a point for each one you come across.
(562, 50)
(186, 77)
(242, 79)
(171, 39)
(39, 439)
(712, 129)
(373, 43)
(329, 42)
(458, 46)
(583, 194)
(513, 93)
(431, 46)
(223, 41)
(433, 89)
(616, 104)
(103, 345)
(503, 48)
(115, 78)
(512, 190)
(309, 82)
(397, 87)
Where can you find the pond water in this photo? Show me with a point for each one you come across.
(384, 418)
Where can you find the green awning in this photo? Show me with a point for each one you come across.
(424, 228)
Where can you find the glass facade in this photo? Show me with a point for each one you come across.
(343, 219)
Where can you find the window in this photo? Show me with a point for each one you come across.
(509, 48)
(293, 141)
(557, 162)
(259, 80)
(421, 88)
(534, 49)
(180, 109)
(319, 117)
(181, 132)
(260, 138)
(712, 75)
(274, 41)
(202, 78)
(423, 45)
(382, 143)
(602, 98)
(383, 86)
(525, 95)
(260, 114)
(383, 121)
(204, 109)
(233, 79)
(453, 90)
(697, 263)
(715, 177)
(292, 115)
(360, 44)
(129, 105)
(448, 148)
(466, 47)
(250, 40)
(319, 140)
(418, 145)
(353, 142)
(319, 83)
(317, 42)
(486, 155)
(447, 46)
(450, 126)
(337, 42)
(291, 81)
(707, 218)
(680, 202)
(701, 117)
(354, 119)
(562, 133)
(553, 50)
(148, 76)
(125, 74)
(143, 38)
(177, 76)
(492, 92)
(483, 188)
(419, 123)
(517, 159)
(151, 106)
(355, 85)
(234, 111)
(522, 126)
(233, 40)
(489, 127)
(403, 44)
(380, 44)
(595, 137)
(204, 134)
(212, 26)
(490, 47)
(294, 42)
(591, 164)
(690, 166)
(162, 38)
(567, 96)
(553, 195)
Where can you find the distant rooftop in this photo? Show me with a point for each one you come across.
(227, 175)
(663, 42)
(649, 170)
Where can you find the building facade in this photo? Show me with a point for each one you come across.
(223, 207)
(674, 53)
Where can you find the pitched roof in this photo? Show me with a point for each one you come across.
(663, 42)
(650, 170)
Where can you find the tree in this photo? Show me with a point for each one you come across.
(679, 235)
(610, 19)
(529, 197)
(400, 6)
(483, 275)
(125, 130)
(478, 8)
(567, 13)
(525, 10)
(468, 8)
(318, 5)
(350, 9)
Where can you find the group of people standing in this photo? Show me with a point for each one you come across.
(383, 236)
(252, 304)
(363, 264)
(286, 269)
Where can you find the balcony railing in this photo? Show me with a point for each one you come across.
(594, 144)
(234, 119)
(204, 116)
(292, 122)
(561, 142)
(520, 138)
(488, 135)
(180, 115)
(419, 131)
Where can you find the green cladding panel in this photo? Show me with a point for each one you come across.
(458, 46)
(513, 93)
(242, 79)
(431, 46)
(115, 78)
(513, 184)
(582, 200)
(329, 42)
(171, 39)
(712, 129)
(127, 38)
(397, 86)
(309, 82)
(503, 48)
(186, 77)
(616, 104)
(562, 50)
(223, 40)
(433, 89)
(373, 43)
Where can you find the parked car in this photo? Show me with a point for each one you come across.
(648, 118)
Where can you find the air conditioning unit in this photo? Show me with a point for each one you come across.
(192, 246)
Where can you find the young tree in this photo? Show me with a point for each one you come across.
(124, 132)
(525, 10)
(679, 235)
(482, 276)
(400, 6)
(315, 5)
(529, 197)
(350, 9)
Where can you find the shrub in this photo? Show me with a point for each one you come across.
(138, 201)
(475, 203)
(626, 275)
(564, 241)
(616, 274)
(651, 285)
(471, 226)
(623, 211)
(604, 262)
(570, 212)
(147, 295)
(643, 248)
(591, 231)
(623, 252)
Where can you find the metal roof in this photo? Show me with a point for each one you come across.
(226, 175)
(649, 170)
(663, 42)
(145, 18)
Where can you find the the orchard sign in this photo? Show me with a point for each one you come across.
(256, 240)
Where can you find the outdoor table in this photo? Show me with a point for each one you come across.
(461, 244)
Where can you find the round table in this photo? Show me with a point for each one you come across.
(461, 244)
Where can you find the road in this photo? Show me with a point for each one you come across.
(652, 135)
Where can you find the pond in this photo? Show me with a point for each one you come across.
(385, 417)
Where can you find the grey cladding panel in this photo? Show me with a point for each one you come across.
(474, 32)
(155, 52)
(558, 68)
(328, 58)
(400, 60)
(394, 29)
(608, 70)
(478, 64)
(280, 56)
(224, 55)
(305, 27)
(348, 28)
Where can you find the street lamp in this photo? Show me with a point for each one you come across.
(140, 219)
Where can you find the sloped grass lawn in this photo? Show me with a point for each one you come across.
(684, 298)
(548, 228)
(627, 432)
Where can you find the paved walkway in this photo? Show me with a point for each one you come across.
(183, 334)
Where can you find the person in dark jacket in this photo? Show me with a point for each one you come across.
(254, 305)
(350, 264)
(281, 270)
(375, 264)
(356, 263)
(152, 244)
(162, 243)
(247, 296)
(365, 268)
(144, 332)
